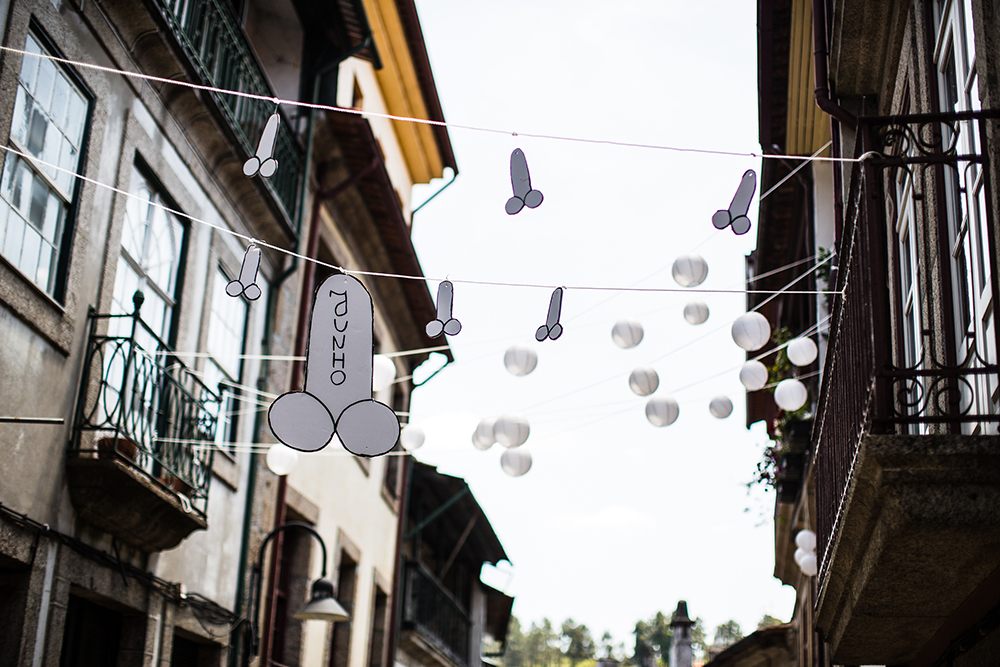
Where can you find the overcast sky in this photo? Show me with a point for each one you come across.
(617, 519)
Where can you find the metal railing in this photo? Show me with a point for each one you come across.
(431, 610)
(898, 365)
(209, 35)
(141, 405)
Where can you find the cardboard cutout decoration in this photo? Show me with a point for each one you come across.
(444, 323)
(246, 284)
(337, 398)
(520, 181)
(736, 214)
(552, 329)
(262, 163)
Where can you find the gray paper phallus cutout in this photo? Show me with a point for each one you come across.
(246, 284)
(552, 329)
(520, 181)
(444, 322)
(337, 398)
(262, 163)
(736, 214)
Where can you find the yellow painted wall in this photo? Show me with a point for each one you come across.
(808, 127)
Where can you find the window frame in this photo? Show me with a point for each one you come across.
(64, 255)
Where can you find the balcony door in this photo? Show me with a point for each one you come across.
(973, 319)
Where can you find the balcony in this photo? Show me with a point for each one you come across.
(905, 438)
(435, 625)
(134, 469)
(217, 49)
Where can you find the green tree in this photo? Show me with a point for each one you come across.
(607, 645)
(768, 621)
(661, 635)
(698, 641)
(643, 648)
(728, 633)
(514, 654)
(577, 643)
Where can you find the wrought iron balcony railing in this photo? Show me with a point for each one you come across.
(913, 341)
(432, 611)
(142, 406)
(217, 48)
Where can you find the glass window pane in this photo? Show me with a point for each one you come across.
(29, 252)
(43, 84)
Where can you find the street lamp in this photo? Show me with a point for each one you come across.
(322, 605)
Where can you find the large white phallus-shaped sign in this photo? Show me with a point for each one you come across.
(337, 398)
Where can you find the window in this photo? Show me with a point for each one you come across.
(380, 622)
(347, 581)
(224, 368)
(973, 322)
(151, 256)
(49, 122)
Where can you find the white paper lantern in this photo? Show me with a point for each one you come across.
(808, 565)
(483, 437)
(799, 555)
(806, 540)
(511, 431)
(720, 407)
(383, 372)
(790, 395)
(627, 334)
(281, 459)
(751, 331)
(643, 381)
(689, 270)
(696, 312)
(662, 411)
(753, 375)
(411, 437)
(520, 360)
(515, 462)
(801, 351)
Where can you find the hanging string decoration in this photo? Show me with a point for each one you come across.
(753, 375)
(696, 313)
(805, 554)
(262, 163)
(383, 372)
(751, 331)
(520, 361)
(552, 329)
(246, 284)
(689, 270)
(337, 398)
(281, 459)
(412, 437)
(511, 431)
(444, 322)
(662, 411)
(720, 407)
(627, 334)
(515, 462)
(736, 215)
(483, 437)
(790, 395)
(643, 381)
(801, 351)
(520, 181)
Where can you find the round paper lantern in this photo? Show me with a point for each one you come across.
(808, 565)
(662, 411)
(696, 312)
(626, 334)
(790, 395)
(801, 351)
(689, 270)
(515, 462)
(281, 459)
(483, 437)
(753, 375)
(643, 381)
(520, 360)
(720, 407)
(411, 437)
(751, 331)
(383, 372)
(511, 431)
(799, 555)
(806, 540)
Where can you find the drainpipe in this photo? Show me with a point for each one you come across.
(821, 53)
(413, 213)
